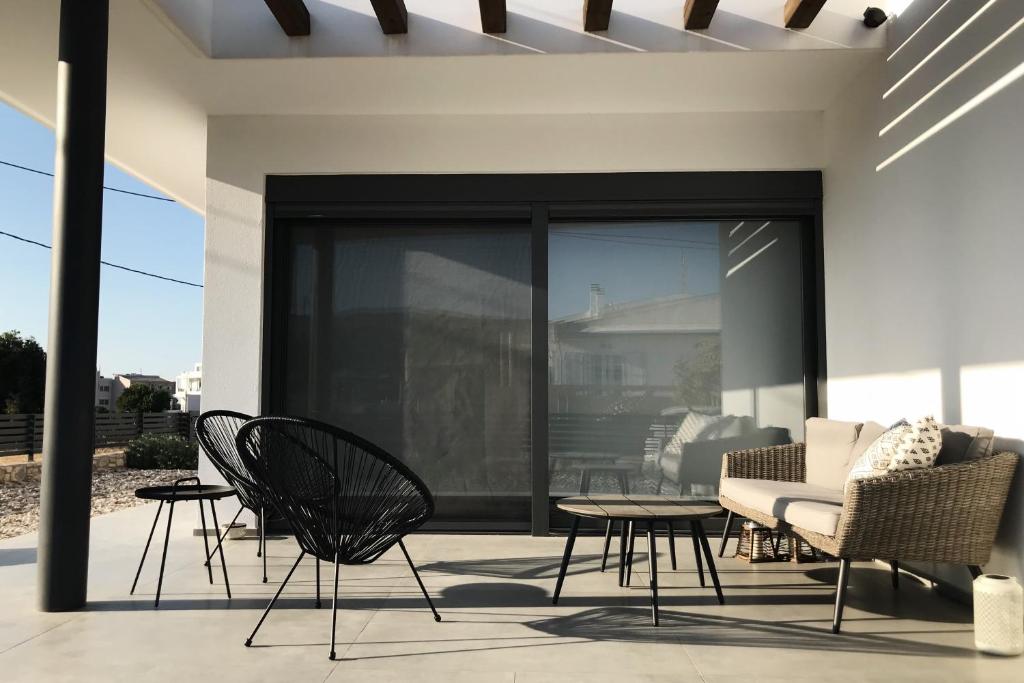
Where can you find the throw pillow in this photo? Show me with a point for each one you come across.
(920, 447)
(875, 460)
(693, 424)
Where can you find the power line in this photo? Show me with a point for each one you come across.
(106, 263)
(112, 189)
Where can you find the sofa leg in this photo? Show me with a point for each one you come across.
(725, 534)
(975, 570)
(894, 569)
(844, 578)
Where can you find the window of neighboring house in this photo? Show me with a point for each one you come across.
(104, 402)
(105, 388)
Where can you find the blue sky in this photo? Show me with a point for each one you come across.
(145, 324)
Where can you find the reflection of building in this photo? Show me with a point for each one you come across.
(632, 344)
(188, 389)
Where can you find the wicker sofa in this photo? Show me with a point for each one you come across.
(948, 513)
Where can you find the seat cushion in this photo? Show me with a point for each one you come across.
(811, 507)
(830, 448)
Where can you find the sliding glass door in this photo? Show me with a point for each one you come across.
(670, 343)
(418, 339)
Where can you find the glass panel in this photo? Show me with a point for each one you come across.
(418, 339)
(669, 344)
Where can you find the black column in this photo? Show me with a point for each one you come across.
(74, 305)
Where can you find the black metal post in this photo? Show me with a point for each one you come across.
(74, 306)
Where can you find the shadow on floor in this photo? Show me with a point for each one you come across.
(518, 567)
(12, 556)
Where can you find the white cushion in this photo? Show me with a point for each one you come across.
(875, 460)
(811, 507)
(693, 424)
(829, 454)
(919, 447)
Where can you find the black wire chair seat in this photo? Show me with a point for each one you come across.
(347, 500)
(216, 431)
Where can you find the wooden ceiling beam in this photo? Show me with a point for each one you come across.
(800, 13)
(292, 15)
(492, 16)
(697, 14)
(392, 15)
(596, 14)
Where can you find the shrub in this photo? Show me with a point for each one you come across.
(161, 452)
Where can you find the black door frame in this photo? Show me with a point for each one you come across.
(537, 200)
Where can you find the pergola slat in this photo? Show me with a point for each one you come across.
(800, 13)
(492, 16)
(697, 14)
(596, 14)
(392, 15)
(292, 15)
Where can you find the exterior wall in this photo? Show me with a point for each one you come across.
(243, 150)
(922, 257)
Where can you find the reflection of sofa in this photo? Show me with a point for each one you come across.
(695, 468)
(946, 513)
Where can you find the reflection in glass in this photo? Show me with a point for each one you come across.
(669, 344)
(418, 339)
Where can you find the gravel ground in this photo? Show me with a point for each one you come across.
(111, 490)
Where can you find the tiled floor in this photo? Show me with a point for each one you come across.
(499, 624)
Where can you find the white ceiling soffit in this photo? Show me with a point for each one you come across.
(242, 29)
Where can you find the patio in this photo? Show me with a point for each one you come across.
(493, 593)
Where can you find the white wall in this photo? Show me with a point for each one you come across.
(922, 256)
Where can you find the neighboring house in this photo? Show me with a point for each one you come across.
(104, 391)
(188, 389)
(118, 383)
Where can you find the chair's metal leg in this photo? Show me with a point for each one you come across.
(263, 543)
(844, 579)
(622, 553)
(629, 553)
(163, 559)
(146, 550)
(894, 570)
(565, 558)
(220, 549)
(652, 562)
(975, 570)
(725, 533)
(259, 525)
(248, 641)
(318, 583)
(710, 561)
(607, 544)
(206, 541)
(672, 544)
(401, 544)
(334, 607)
(661, 480)
(221, 537)
(695, 537)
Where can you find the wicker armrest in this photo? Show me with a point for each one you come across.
(778, 463)
(942, 514)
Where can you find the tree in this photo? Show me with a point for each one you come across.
(142, 398)
(699, 378)
(22, 374)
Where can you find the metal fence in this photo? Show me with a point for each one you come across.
(23, 434)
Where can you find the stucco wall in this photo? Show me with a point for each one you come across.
(922, 256)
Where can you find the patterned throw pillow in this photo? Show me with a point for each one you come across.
(693, 424)
(875, 461)
(920, 447)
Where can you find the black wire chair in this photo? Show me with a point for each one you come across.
(217, 431)
(347, 500)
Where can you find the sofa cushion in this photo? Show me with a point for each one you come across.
(869, 433)
(961, 443)
(829, 454)
(874, 462)
(693, 424)
(920, 447)
(815, 508)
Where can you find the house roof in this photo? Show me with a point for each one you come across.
(677, 313)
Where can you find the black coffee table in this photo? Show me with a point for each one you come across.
(180, 492)
(649, 509)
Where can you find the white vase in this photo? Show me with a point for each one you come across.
(998, 615)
